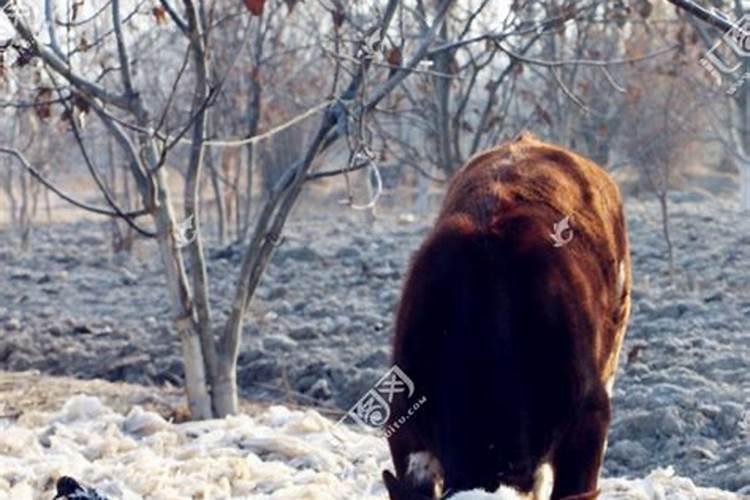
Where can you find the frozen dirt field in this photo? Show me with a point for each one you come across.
(319, 329)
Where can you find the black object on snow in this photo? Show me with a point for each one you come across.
(70, 489)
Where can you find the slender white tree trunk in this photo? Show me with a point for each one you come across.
(422, 205)
(196, 385)
(371, 193)
(224, 390)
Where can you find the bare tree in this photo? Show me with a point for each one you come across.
(147, 140)
(247, 105)
(729, 64)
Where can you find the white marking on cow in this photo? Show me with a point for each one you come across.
(604, 448)
(504, 493)
(621, 279)
(544, 481)
(609, 385)
(423, 468)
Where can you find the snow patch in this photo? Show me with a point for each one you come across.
(82, 407)
(277, 455)
(504, 493)
(143, 423)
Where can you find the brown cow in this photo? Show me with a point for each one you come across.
(510, 325)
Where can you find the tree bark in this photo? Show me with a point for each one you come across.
(664, 204)
(221, 222)
(442, 105)
(744, 168)
(199, 274)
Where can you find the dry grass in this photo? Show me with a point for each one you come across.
(25, 392)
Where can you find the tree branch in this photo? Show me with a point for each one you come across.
(703, 14)
(586, 62)
(60, 66)
(122, 51)
(46, 183)
(174, 15)
(70, 110)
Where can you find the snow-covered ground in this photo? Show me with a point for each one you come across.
(321, 321)
(277, 454)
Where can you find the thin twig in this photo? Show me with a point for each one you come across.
(586, 62)
(569, 92)
(279, 128)
(85, 206)
(92, 168)
(612, 81)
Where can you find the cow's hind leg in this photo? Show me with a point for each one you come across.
(578, 458)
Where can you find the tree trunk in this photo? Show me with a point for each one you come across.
(117, 239)
(48, 206)
(224, 390)
(422, 203)
(25, 212)
(128, 200)
(196, 387)
(247, 212)
(221, 224)
(442, 106)
(254, 111)
(664, 204)
(742, 101)
(744, 186)
(12, 203)
(201, 345)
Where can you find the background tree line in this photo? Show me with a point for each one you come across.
(204, 120)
